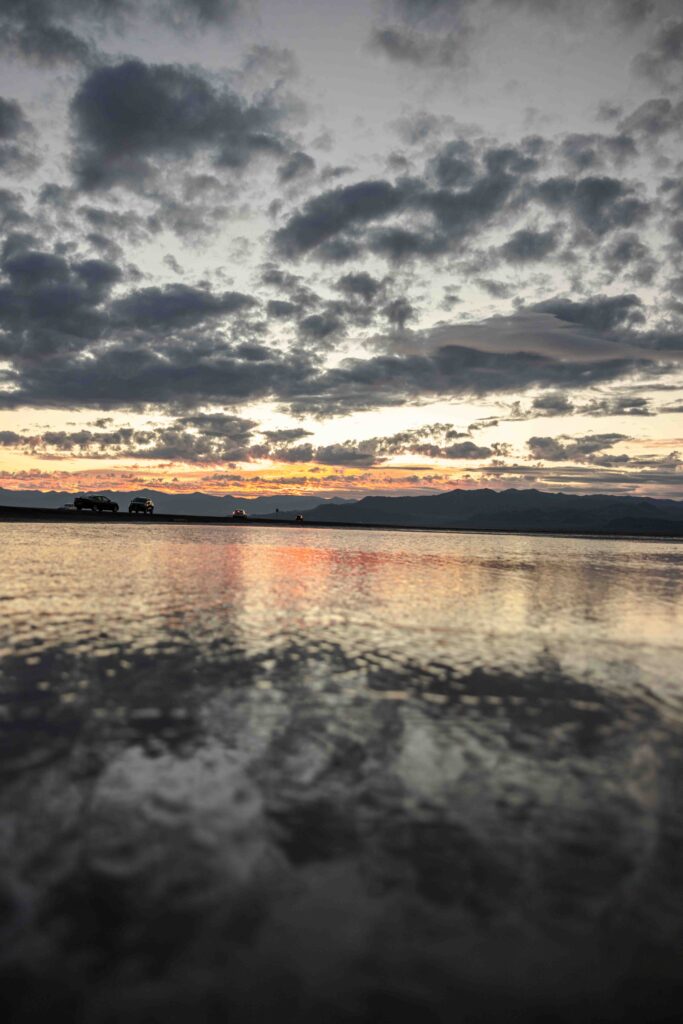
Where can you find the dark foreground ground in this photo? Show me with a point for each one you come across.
(11, 514)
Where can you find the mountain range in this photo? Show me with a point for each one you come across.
(197, 504)
(483, 509)
(530, 509)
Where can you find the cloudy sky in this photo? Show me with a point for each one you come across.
(261, 246)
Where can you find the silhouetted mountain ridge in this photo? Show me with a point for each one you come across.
(512, 509)
(196, 503)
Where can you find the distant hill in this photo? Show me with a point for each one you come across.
(175, 504)
(512, 510)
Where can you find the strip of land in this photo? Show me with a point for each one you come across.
(634, 528)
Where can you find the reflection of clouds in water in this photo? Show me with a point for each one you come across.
(394, 803)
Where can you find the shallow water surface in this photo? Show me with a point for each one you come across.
(338, 775)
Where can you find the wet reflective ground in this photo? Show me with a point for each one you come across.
(336, 776)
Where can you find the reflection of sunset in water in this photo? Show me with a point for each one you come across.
(433, 771)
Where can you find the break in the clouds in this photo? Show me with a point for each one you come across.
(373, 246)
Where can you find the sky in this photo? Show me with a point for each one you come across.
(342, 248)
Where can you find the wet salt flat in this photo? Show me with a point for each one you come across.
(338, 775)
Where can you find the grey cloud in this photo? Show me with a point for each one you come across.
(600, 312)
(12, 212)
(128, 114)
(496, 289)
(325, 222)
(654, 117)
(579, 449)
(526, 246)
(347, 453)
(293, 453)
(598, 204)
(410, 46)
(193, 439)
(554, 403)
(12, 119)
(281, 309)
(15, 134)
(451, 371)
(617, 405)
(360, 284)
(625, 250)
(204, 13)
(321, 326)
(51, 32)
(589, 152)
(398, 312)
(454, 165)
(48, 303)
(665, 54)
(298, 165)
(398, 244)
(176, 305)
(330, 213)
(286, 436)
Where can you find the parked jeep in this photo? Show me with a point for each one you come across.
(95, 503)
(144, 505)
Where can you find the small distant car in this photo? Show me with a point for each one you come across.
(299, 518)
(239, 513)
(95, 503)
(144, 505)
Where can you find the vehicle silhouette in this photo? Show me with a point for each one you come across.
(144, 505)
(239, 513)
(95, 503)
(298, 518)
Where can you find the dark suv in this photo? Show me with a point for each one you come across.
(144, 505)
(95, 503)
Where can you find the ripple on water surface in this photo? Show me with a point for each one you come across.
(343, 775)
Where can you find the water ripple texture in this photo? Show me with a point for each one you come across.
(338, 775)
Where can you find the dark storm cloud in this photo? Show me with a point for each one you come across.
(526, 246)
(597, 204)
(130, 114)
